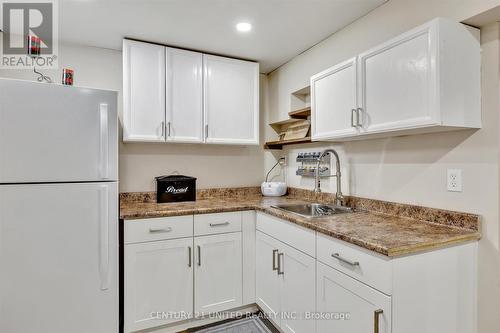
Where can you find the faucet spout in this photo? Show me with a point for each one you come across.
(339, 197)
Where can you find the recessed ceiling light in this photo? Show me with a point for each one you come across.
(243, 27)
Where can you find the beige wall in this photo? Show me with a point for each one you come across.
(412, 169)
(213, 165)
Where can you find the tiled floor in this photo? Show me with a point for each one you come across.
(246, 325)
(228, 326)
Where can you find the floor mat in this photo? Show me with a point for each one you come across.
(247, 325)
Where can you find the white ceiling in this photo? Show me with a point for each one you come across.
(281, 28)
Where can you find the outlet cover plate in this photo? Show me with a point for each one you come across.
(454, 180)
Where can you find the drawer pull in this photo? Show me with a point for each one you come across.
(376, 317)
(159, 231)
(280, 271)
(190, 256)
(274, 260)
(219, 224)
(344, 260)
(199, 255)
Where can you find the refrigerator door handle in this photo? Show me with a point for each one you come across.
(104, 141)
(104, 237)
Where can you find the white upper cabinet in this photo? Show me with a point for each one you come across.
(414, 83)
(333, 97)
(397, 82)
(174, 95)
(231, 91)
(184, 102)
(143, 92)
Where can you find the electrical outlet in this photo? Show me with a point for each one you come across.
(454, 179)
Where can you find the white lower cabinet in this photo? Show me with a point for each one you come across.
(267, 288)
(172, 277)
(348, 289)
(349, 306)
(303, 281)
(158, 280)
(298, 281)
(285, 284)
(218, 273)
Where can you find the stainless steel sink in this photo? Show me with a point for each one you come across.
(314, 209)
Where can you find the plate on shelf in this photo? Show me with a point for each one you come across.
(298, 130)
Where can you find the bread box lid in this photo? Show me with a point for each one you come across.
(174, 178)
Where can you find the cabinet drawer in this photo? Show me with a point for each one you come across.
(301, 238)
(372, 269)
(146, 230)
(209, 224)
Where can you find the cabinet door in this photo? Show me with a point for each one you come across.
(268, 285)
(333, 102)
(184, 103)
(158, 280)
(143, 92)
(349, 306)
(398, 83)
(218, 273)
(231, 93)
(298, 277)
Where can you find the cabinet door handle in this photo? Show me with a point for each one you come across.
(274, 260)
(159, 231)
(190, 256)
(162, 129)
(199, 255)
(376, 317)
(359, 115)
(206, 131)
(353, 112)
(219, 224)
(347, 261)
(280, 271)
(168, 129)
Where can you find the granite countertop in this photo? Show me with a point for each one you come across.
(387, 228)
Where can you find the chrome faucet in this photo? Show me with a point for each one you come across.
(339, 198)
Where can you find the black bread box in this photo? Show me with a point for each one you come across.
(175, 188)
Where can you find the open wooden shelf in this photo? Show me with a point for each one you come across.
(300, 114)
(279, 125)
(297, 125)
(280, 144)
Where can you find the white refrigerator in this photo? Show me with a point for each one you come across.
(58, 209)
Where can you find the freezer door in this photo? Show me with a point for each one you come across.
(51, 133)
(58, 258)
